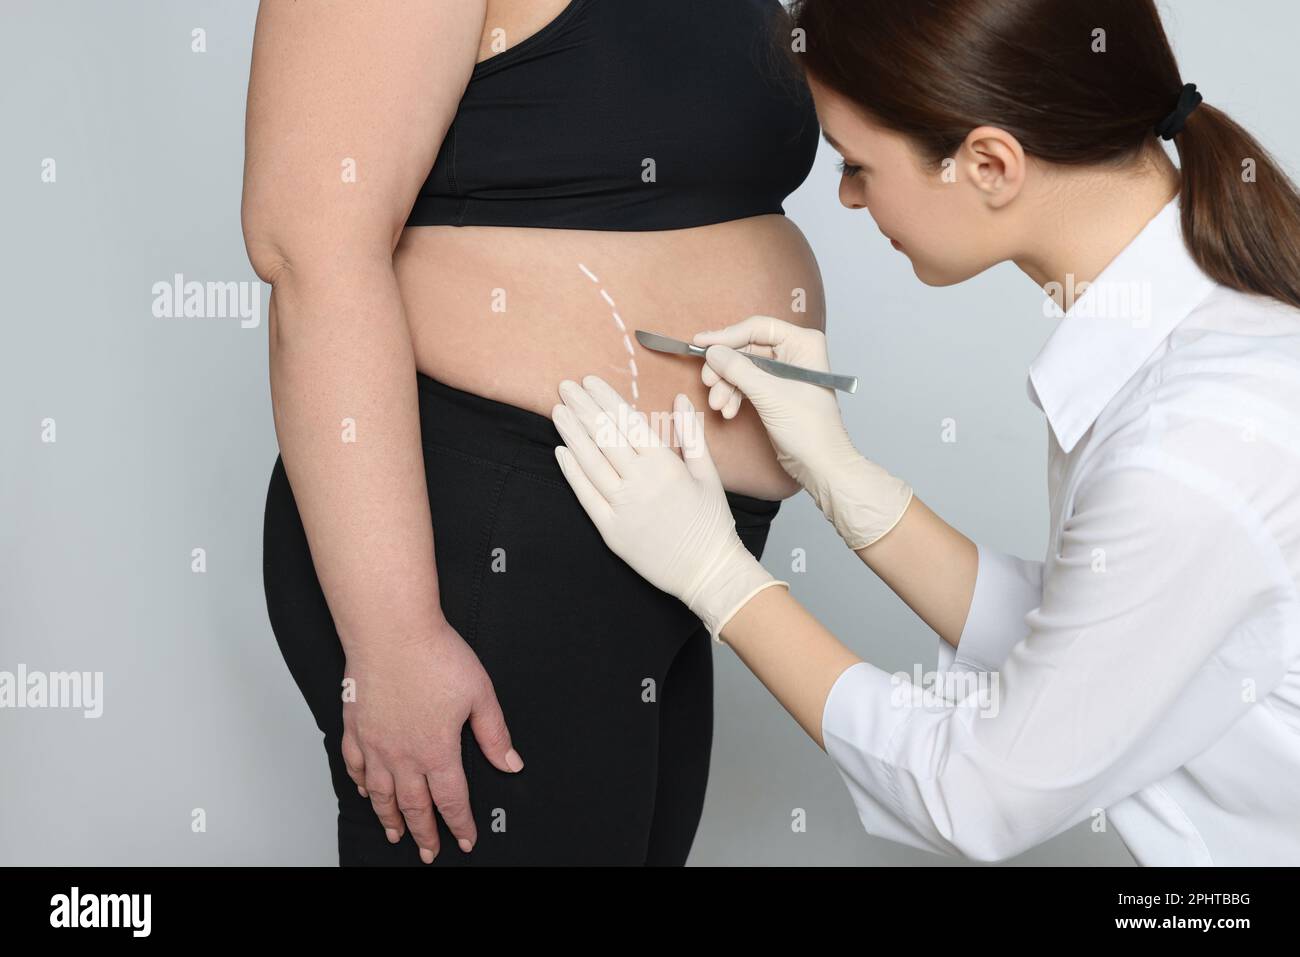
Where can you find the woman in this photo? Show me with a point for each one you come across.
(429, 187)
(1146, 675)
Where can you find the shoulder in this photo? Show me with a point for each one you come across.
(1230, 378)
(1232, 363)
(1217, 408)
(1236, 333)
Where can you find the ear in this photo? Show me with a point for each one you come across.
(994, 162)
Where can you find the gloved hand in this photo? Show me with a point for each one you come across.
(861, 499)
(666, 516)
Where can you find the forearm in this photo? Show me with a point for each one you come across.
(346, 416)
(929, 565)
(791, 653)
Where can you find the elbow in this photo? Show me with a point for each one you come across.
(991, 849)
(266, 256)
(989, 831)
(948, 822)
(996, 833)
(264, 229)
(281, 238)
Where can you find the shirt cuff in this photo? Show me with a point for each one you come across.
(862, 724)
(1007, 589)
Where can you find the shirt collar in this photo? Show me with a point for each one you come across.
(1115, 325)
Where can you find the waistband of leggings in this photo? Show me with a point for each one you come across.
(520, 438)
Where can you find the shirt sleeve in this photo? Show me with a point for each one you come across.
(1007, 589)
(1131, 664)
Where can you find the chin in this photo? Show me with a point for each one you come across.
(938, 276)
(933, 278)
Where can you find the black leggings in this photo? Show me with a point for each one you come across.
(606, 682)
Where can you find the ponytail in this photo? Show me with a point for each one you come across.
(1240, 213)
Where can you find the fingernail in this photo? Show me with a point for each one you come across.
(393, 836)
(465, 845)
(426, 855)
(362, 791)
(513, 761)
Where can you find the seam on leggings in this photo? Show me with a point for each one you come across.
(509, 466)
(534, 477)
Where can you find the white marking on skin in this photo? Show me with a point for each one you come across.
(623, 328)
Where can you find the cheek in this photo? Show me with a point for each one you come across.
(886, 206)
(921, 212)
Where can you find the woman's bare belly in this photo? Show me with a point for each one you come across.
(507, 313)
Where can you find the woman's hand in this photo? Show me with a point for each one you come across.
(666, 516)
(803, 422)
(401, 734)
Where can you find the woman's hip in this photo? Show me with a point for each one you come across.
(513, 544)
(519, 562)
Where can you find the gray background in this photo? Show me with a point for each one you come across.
(165, 443)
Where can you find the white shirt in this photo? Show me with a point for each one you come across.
(1148, 671)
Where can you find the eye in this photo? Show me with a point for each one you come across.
(848, 169)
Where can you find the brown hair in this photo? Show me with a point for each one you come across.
(934, 70)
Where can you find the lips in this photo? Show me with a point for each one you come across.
(895, 244)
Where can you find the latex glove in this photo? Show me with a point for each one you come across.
(666, 516)
(803, 422)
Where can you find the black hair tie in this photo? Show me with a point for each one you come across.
(1173, 124)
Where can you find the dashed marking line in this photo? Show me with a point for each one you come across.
(618, 321)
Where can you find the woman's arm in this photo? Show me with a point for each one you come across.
(791, 653)
(1125, 675)
(348, 102)
(929, 565)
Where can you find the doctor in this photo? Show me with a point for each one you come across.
(1148, 670)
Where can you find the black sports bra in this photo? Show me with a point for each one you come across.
(623, 115)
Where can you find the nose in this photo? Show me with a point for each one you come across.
(850, 194)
